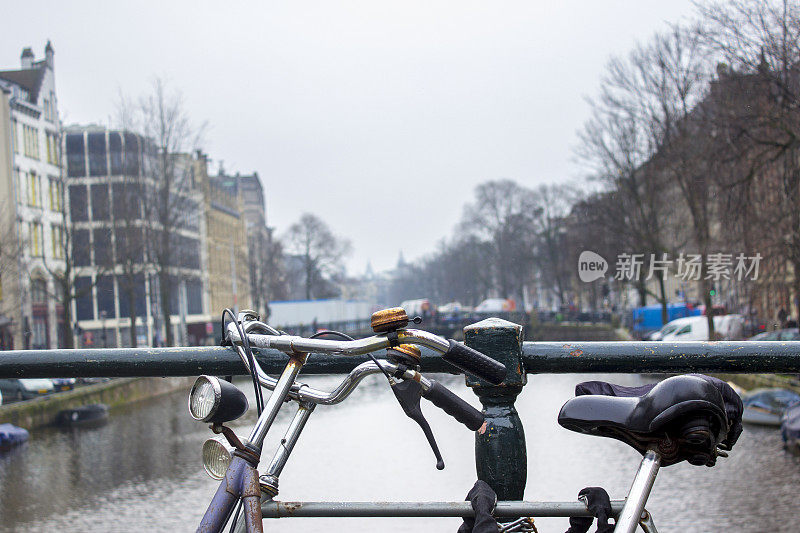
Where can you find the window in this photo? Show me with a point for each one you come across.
(52, 148)
(100, 210)
(56, 194)
(19, 182)
(36, 239)
(50, 108)
(78, 203)
(115, 154)
(14, 135)
(129, 242)
(33, 189)
(96, 143)
(39, 291)
(131, 288)
(105, 296)
(76, 159)
(194, 296)
(131, 154)
(83, 298)
(80, 247)
(39, 333)
(31, 139)
(102, 246)
(58, 241)
(127, 199)
(684, 330)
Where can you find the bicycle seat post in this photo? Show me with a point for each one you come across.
(640, 491)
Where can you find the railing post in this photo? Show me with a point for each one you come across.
(500, 456)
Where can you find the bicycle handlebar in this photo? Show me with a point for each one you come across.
(459, 355)
(472, 361)
(453, 405)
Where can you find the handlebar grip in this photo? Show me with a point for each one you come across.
(453, 405)
(474, 362)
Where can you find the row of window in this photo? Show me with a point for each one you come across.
(130, 245)
(31, 190)
(107, 294)
(125, 199)
(36, 241)
(30, 142)
(114, 154)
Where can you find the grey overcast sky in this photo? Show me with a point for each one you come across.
(380, 117)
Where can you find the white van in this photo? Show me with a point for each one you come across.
(695, 328)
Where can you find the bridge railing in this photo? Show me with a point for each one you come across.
(500, 453)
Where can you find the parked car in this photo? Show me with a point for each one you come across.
(25, 389)
(671, 327)
(496, 305)
(789, 334)
(421, 307)
(61, 384)
(695, 328)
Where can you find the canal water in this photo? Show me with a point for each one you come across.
(142, 470)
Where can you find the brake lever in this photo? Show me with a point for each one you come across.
(408, 394)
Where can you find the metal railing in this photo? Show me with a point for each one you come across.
(501, 455)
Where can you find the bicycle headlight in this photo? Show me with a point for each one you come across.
(216, 458)
(216, 401)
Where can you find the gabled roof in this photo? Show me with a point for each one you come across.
(29, 79)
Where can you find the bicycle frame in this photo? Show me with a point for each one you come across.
(241, 481)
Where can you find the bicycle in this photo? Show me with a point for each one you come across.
(682, 418)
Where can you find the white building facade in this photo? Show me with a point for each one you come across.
(31, 202)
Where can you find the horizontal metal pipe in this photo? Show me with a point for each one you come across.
(667, 357)
(276, 509)
(538, 357)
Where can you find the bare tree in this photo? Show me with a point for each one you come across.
(268, 271)
(320, 251)
(505, 215)
(11, 251)
(168, 135)
(652, 143)
(756, 104)
(552, 250)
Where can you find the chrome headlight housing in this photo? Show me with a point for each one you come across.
(216, 401)
(217, 456)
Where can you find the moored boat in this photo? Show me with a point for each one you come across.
(11, 435)
(86, 415)
(790, 429)
(766, 407)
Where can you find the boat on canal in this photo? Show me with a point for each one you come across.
(85, 416)
(11, 436)
(766, 407)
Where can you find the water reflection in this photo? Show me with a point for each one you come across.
(142, 470)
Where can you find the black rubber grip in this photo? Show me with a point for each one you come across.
(474, 362)
(453, 405)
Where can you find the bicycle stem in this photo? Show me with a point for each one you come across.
(276, 399)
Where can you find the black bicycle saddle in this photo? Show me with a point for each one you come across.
(683, 417)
